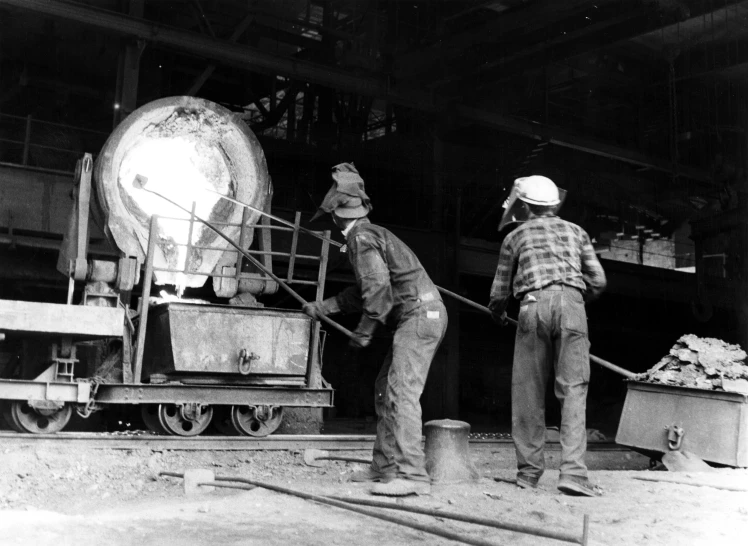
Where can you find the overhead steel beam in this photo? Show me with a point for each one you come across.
(243, 56)
(254, 59)
(207, 72)
(526, 19)
(573, 141)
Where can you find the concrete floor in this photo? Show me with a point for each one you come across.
(81, 496)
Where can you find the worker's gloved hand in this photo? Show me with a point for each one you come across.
(363, 334)
(497, 312)
(314, 309)
(318, 309)
(359, 341)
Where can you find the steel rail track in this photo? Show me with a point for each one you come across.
(275, 442)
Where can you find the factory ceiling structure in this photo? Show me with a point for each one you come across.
(643, 90)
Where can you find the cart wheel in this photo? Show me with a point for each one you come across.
(256, 421)
(23, 418)
(180, 420)
(149, 414)
(222, 421)
(8, 417)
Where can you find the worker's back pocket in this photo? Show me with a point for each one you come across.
(431, 320)
(527, 321)
(574, 316)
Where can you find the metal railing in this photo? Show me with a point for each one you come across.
(27, 141)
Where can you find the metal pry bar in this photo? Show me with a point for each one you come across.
(140, 181)
(597, 360)
(276, 218)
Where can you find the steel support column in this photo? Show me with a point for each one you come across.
(126, 95)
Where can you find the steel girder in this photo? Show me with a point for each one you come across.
(257, 60)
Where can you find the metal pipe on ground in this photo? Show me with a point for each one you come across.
(313, 456)
(597, 360)
(517, 528)
(350, 507)
(431, 529)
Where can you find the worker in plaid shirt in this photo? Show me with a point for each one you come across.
(550, 266)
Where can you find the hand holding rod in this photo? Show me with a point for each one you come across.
(139, 182)
(604, 363)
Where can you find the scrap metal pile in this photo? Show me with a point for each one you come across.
(702, 363)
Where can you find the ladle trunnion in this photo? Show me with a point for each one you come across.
(186, 363)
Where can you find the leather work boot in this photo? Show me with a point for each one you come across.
(370, 475)
(579, 486)
(401, 488)
(525, 481)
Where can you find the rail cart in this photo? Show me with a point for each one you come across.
(185, 364)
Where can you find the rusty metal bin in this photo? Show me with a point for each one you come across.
(186, 338)
(715, 423)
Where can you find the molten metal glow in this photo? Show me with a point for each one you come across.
(181, 169)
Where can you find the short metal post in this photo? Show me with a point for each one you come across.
(144, 300)
(585, 529)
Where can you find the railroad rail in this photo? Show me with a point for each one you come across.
(275, 442)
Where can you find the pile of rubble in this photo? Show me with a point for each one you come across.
(702, 363)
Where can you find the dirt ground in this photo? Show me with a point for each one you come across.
(81, 496)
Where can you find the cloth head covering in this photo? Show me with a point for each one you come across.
(346, 198)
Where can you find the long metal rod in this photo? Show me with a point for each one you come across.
(431, 529)
(211, 484)
(276, 218)
(144, 302)
(565, 537)
(344, 459)
(597, 360)
(351, 504)
(256, 263)
(593, 358)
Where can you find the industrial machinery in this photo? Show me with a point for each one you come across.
(186, 363)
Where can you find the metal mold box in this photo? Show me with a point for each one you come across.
(715, 422)
(207, 339)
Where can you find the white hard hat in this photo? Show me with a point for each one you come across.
(537, 190)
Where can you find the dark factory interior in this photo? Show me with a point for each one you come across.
(636, 108)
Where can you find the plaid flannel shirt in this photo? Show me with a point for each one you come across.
(543, 251)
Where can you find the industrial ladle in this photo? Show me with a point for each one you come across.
(140, 182)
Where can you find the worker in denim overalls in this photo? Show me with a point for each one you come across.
(393, 288)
